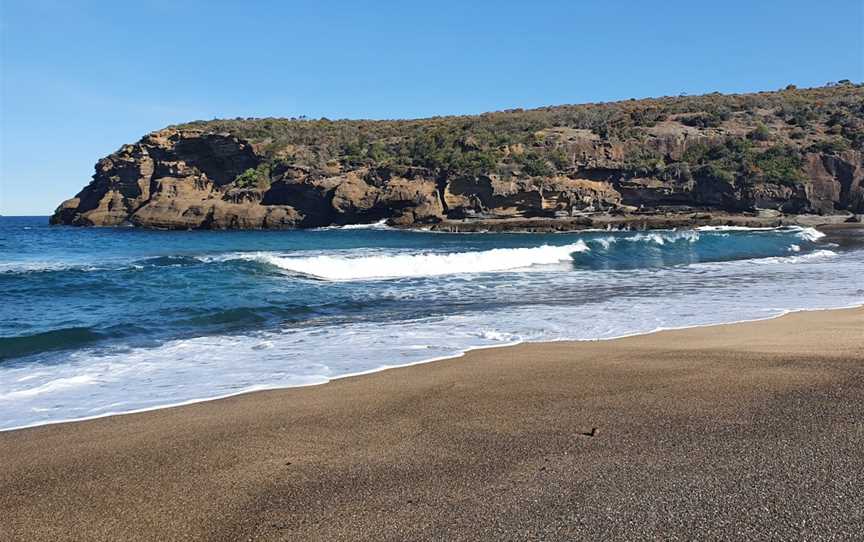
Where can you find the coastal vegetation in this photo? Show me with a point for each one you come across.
(257, 177)
(757, 135)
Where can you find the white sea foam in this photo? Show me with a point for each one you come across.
(40, 266)
(605, 242)
(52, 386)
(732, 228)
(804, 232)
(380, 225)
(427, 264)
(810, 234)
(493, 335)
(662, 238)
(809, 257)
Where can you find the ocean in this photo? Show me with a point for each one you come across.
(105, 321)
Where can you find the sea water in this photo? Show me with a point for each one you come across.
(113, 320)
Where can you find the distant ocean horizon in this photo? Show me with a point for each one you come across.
(98, 321)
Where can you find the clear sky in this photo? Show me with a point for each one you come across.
(80, 78)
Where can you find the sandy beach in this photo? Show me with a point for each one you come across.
(744, 431)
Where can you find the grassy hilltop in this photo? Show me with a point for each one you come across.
(756, 136)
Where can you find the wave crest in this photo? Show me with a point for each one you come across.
(57, 339)
(658, 238)
(380, 225)
(809, 234)
(344, 268)
(806, 233)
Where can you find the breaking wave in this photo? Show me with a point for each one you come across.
(809, 234)
(344, 268)
(50, 340)
(734, 228)
(380, 225)
(657, 238)
(803, 232)
(648, 249)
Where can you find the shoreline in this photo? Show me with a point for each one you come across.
(600, 221)
(703, 430)
(572, 225)
(461, 354)
(75, 405)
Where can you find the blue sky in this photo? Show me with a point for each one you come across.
(81, 78)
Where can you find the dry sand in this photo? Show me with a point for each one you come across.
(746, 431)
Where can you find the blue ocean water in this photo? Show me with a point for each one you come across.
(98, 321)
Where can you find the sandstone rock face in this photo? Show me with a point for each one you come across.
(493, 197)
(170, 179)
(191, 179)
(836, 181)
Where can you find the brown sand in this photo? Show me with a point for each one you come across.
(748, 431)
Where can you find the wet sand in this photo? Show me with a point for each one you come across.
(745, 431)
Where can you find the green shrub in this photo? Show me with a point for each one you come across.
(559, 159)
(645, 164)
(717, 172)
(760, 133)
(254, 177)
(832, 146)
(710, 119)
(535, 165)
(780, 164)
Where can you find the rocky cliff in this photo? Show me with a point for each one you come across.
(753, 158)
